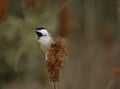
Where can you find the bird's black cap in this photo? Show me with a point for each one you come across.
(39, 28)
(38, 33)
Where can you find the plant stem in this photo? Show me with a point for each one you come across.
(54, 85)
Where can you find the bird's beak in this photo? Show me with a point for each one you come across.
(36, 31)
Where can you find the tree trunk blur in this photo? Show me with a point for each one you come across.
(64, 21)
(94, 43)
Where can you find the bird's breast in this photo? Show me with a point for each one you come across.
(46, 41)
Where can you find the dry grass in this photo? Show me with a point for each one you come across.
(55, 60)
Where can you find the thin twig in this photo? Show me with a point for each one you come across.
(110, 84)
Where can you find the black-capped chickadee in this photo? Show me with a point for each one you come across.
(44, 39)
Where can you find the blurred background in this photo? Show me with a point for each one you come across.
(90, 27)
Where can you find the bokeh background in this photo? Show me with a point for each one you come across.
(91, 29)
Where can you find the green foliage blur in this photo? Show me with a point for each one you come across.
(20, 55)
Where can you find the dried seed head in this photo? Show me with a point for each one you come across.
(55, 60)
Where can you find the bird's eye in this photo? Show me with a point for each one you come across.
(39, 34)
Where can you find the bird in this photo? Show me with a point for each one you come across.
(45, 39)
